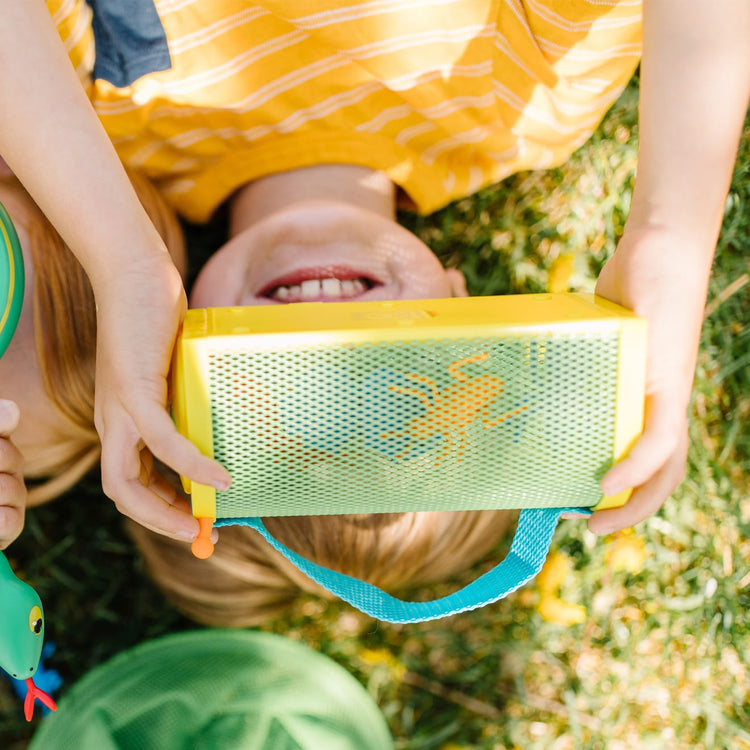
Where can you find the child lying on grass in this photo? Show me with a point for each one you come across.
(315, 120)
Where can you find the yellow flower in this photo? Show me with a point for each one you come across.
(627, 552)
(555, 571)
(382, 657)
(560, 271)
(551, 607)
(559, 612)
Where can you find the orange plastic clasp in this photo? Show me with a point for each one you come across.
(202, 547)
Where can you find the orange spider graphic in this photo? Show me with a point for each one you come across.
(452, 411)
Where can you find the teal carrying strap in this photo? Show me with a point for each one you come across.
(527, 554)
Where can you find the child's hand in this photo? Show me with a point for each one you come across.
(139, 314)
(663, 277)
(12, 487)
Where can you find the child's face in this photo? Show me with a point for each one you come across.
(322, 250)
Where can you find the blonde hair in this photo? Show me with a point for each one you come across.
(246, 582)
(67, 353)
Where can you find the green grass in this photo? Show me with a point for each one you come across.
(661, 660)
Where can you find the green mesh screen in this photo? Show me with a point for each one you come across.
(216, 689)
(456, 424)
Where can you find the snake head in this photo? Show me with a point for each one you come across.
(21, 630)
(21, 625)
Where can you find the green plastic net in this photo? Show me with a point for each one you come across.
(531, 425)
(216, 689)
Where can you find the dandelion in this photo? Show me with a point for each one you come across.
(627, 552)
(558, 276)
(551, 607)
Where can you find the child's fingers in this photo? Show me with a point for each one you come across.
(151, 510)
(122, 480)
(654, 468)
(9, 416)
(176, 451)
(11, 460)
(11, 524)
(12, 487)
(646, 498)
(160, 486)
(12, 508)
(664, 429)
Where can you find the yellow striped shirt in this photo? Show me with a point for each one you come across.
(446, 96)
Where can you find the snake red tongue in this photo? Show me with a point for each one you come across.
(32, 693)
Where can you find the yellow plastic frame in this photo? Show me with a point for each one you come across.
(304, 324)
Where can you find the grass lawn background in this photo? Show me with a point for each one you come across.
(646, 640)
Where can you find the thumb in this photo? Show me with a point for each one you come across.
(9, 416)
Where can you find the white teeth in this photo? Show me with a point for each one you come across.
(331, 287)
(327, 288)
(310, 289)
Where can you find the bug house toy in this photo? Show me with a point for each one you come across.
(21, 634)
(512, 402)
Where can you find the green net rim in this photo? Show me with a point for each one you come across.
(12, 278)
(100, 690)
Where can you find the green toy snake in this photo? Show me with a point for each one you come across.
(21, 634)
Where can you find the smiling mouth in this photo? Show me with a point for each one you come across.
(318, 285)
